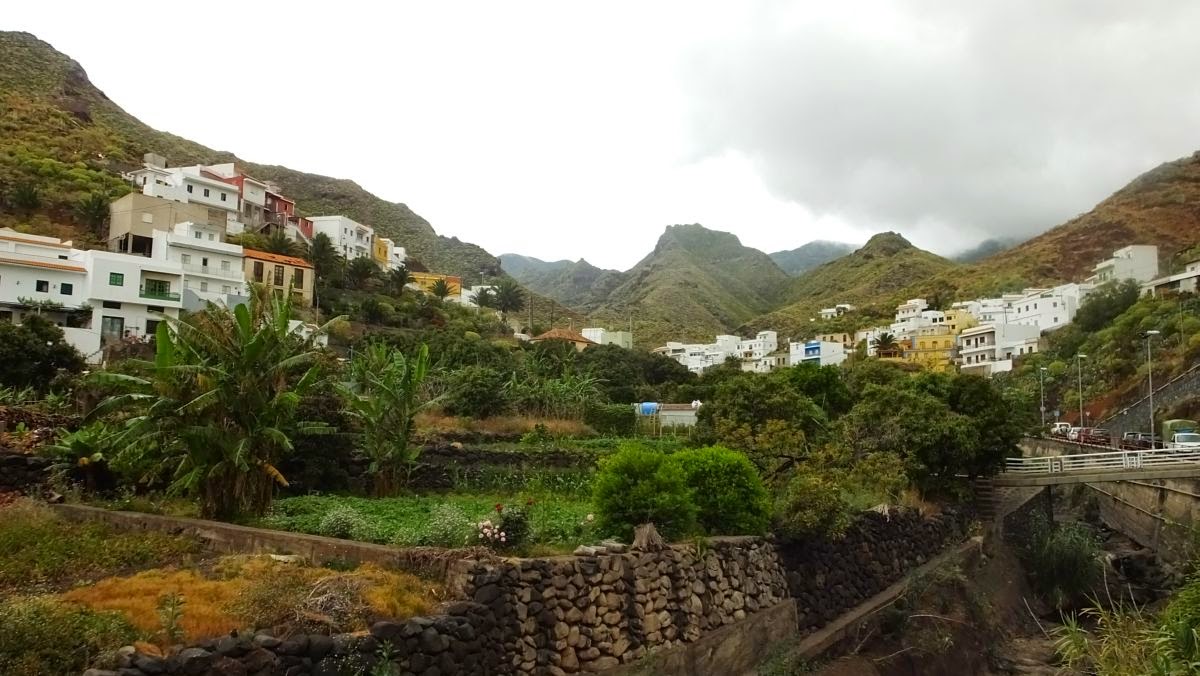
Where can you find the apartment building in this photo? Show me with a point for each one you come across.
(188, 185)
(819, 352)
(350, 238)
(135, 217)
(988, 349)
(44, 276)
(1187, 281)
(282, 274)
(213, 270)
(1138, 262)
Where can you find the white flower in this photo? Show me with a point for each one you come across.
(591, 517)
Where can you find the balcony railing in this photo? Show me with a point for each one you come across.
(158, 294)
(214, 271)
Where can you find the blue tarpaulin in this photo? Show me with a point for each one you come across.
(649, 407)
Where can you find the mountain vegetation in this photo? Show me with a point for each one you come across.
(576, 284)
(65, 139)
(800, 260)
(695, 283)
(988, 247)
(875, 278)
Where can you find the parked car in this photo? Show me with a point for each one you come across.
(1060, 429)
(1073, 433)
(1097, 436)
(1132, 441)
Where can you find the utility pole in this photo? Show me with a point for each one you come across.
(1042, 388)
(1079, 363)
(1150, 381)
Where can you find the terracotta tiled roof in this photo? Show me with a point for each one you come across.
(277, 258)
(564, 334)
(42, 264)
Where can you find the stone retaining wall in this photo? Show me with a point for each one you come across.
(22, 473)
(829, 577)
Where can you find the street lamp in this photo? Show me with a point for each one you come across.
(1079, 364)
(1150, 380)
(1042, 389)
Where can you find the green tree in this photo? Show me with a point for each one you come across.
(33, 352)
(729, 495)
(1105, 304)
(279, 243)
(383, 396)
(25, 198)
(324, 256)
(360, 272)
(637, 485)
(217, 408)
(510, 297)
(885, 345)
(484, 298)
(397, 279)
(440, 289)
(92, 211)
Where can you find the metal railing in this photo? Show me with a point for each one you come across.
(1101, 462)
(214, 271)
(158, 295)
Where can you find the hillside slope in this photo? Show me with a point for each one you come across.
(696, 283)
(63, 135)
(1161, 207)
(802, 259)
(875, 278)
(576, 284)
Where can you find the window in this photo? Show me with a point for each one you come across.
(157, 287)
(189, 188)
(206, 192)
(147, 217)
(204, 261)
(152, 326)
(224, 266)
(185, 259)
(225, 288)
(116, 279)
(298, 279)
(222, 197)
(278, 275)
(43, 286)
(198, 234)
(154, 308)
(66, 288)
(111, 305)
(6, 316)
(258, 271)
(211, 236)
(204, 286)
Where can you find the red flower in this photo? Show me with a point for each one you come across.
(499, 507)
(529, 502)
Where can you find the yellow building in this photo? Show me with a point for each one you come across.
(936, 347)
(381, 251)
(280, 273)
(426, 280)
(960, 320)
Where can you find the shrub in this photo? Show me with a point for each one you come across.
(811, 505)
(41, 636)
(514, 523)
(635, 486)
(1064, 561)
(613, 419)
(729, 495)
(881, 473)
(342, 522)
(476, 392)
(448, 527)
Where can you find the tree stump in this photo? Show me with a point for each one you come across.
(647, 539)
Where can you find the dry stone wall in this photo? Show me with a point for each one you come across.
(828, 577)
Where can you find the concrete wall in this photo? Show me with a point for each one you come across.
(1159, 514)
(1136, 416)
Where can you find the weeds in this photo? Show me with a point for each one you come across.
(40, 636)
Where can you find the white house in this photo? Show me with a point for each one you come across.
(821, 353)
(351, 238)
(1048, 309)
(1137, 261)
(700, 356)
(605, 337)
(990, 348)
(43, 276)
(1182, 282)
(190, 185)
(466, 295)
(396, 255)
(213, 270)
(130, 294)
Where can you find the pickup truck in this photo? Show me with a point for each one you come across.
(1096, 436)
(1136, 441)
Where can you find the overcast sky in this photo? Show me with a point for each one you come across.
(565, 129)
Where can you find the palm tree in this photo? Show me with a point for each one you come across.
(440, 288)
(885, 345)
(509, 298)
(484, 297)
(397, 279)
(360, 271)
(217, 408)
(383, 396)
(279, 243)
(93, 212)
(322, 254)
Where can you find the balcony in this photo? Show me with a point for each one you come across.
(158, 294)
(214, 271)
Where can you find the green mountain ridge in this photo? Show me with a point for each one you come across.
(576, 284)
(797, 261)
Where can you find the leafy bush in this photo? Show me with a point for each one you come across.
(33, 352)
(1064, 561)
(514, 523)
(811, 505)
(449, 526)
(613, 419)
(729, 495)
(882, 473)
(342, 522)
(476, 392)
(41, 636)
(635, 486)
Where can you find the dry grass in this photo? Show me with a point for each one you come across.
(257, 592)
(435, 425)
